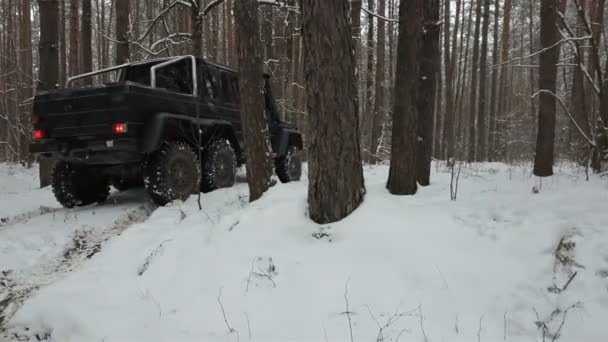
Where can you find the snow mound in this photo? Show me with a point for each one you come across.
(487, 267)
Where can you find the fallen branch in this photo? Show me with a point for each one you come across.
(347, 312)
(219, 301)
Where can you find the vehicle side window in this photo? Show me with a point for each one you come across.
(209, 84)
(226, 88)
(176, 78)
(234, 82)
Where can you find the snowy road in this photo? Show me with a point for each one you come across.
(40, 241)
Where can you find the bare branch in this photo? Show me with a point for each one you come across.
(567, 111)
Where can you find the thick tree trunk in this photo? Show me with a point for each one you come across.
(429, 69)
(197, 29)
(86, 40)
(335, 173)
(48, 75)
(379, 106)
(474, 84)
(483, 80)
(545, 143)
(251, 84)
(122, 30)
(63, 59)
(229, 33)
(74, 51)
(402, 174)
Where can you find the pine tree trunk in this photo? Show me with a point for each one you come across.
(460, 130)
(251, 84)
(229, 33)
(335, 173)
(26, 65)
(483, 80)
(494, 94)
(122, 30)
(402, 174)
(447, 148)
(578, 104)
(429, 69)
(63, 59)
(74, 51)
(197, 30)
(368, 101)
(379, 106)
(499, 143)
(549, 35)
(48, 75)
(86, 40)
(474, 84)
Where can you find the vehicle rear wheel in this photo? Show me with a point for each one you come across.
(289, 167)
(219, 166)
(77, 185)
(172, 173)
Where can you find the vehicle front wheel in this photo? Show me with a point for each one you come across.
(172, 173)
(289, 167)
(219, 166)
(77, 185)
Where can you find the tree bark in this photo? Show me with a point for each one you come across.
(251, 84)
(499, 143)
(379, 106)
(402, 174)
(122, 30)
(493, 96)
(74, 51)
(86, 40)
(427, 84)
(26, 74)
(474, 84)
(336, 186)
(549, 35)
(48, 74)
(63, 59)
(447, 148)
(483, 79)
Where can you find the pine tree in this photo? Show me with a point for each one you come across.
(335, 172)
(402, 174)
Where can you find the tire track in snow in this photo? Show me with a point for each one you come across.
(16, 288)
(26, 216)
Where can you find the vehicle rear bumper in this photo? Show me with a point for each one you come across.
(114, 151)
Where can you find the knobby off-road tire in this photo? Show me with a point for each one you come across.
(77, 185)
(171, 173)
(289, 167)
(219, 166)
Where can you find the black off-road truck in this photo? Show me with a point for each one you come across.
(171, 124)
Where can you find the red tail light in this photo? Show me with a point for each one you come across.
(120, 128)
(38, 134)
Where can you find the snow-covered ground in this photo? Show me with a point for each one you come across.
(420, 268)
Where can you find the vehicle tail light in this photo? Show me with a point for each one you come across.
(120, 128)
(38, 134)
(35, 119)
